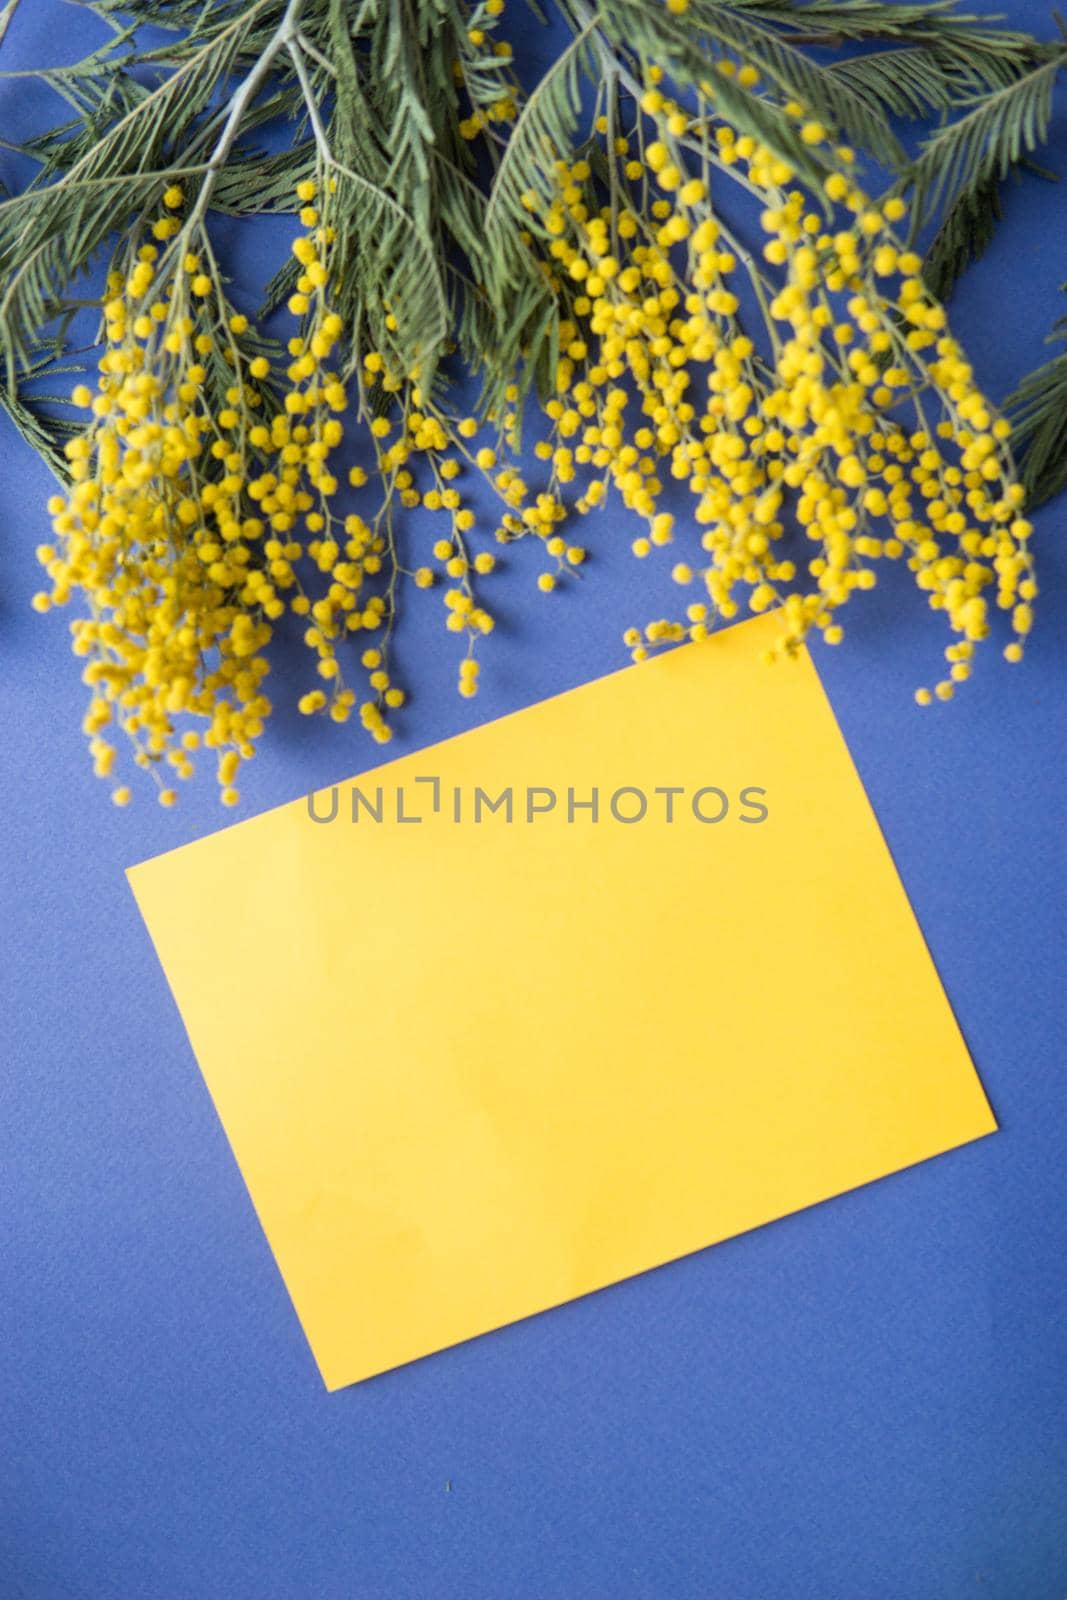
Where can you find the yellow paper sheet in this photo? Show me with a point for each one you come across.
(471, 1069)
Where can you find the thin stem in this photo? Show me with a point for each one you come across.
(6, 16)
(281, 39)
(294, 46)
(316, 54)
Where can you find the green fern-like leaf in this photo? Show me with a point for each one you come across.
(995, 132)
(909, 82)
(542, 135)
(647, 32)
(1037, 409)
(825, 95)
(966, 231)
(43, 430)
(970, 51)
(53, 231)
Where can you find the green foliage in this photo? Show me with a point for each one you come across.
(432, 231)
(908, 82)
(42, 429)
(960, 171)
(825, 95)
(524, 308)
(53, 231)
(963, 49)
(995, 132)
(965, 232)
(1038, 412)
(544, 129)
(688, 47)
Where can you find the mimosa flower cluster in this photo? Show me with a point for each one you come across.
(191, 531)
(845, 430)
(861, 422)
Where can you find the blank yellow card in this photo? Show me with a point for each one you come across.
(559, 1000)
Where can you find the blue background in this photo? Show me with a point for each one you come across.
(867, 1401)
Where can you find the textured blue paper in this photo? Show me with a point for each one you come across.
(867, 1401)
